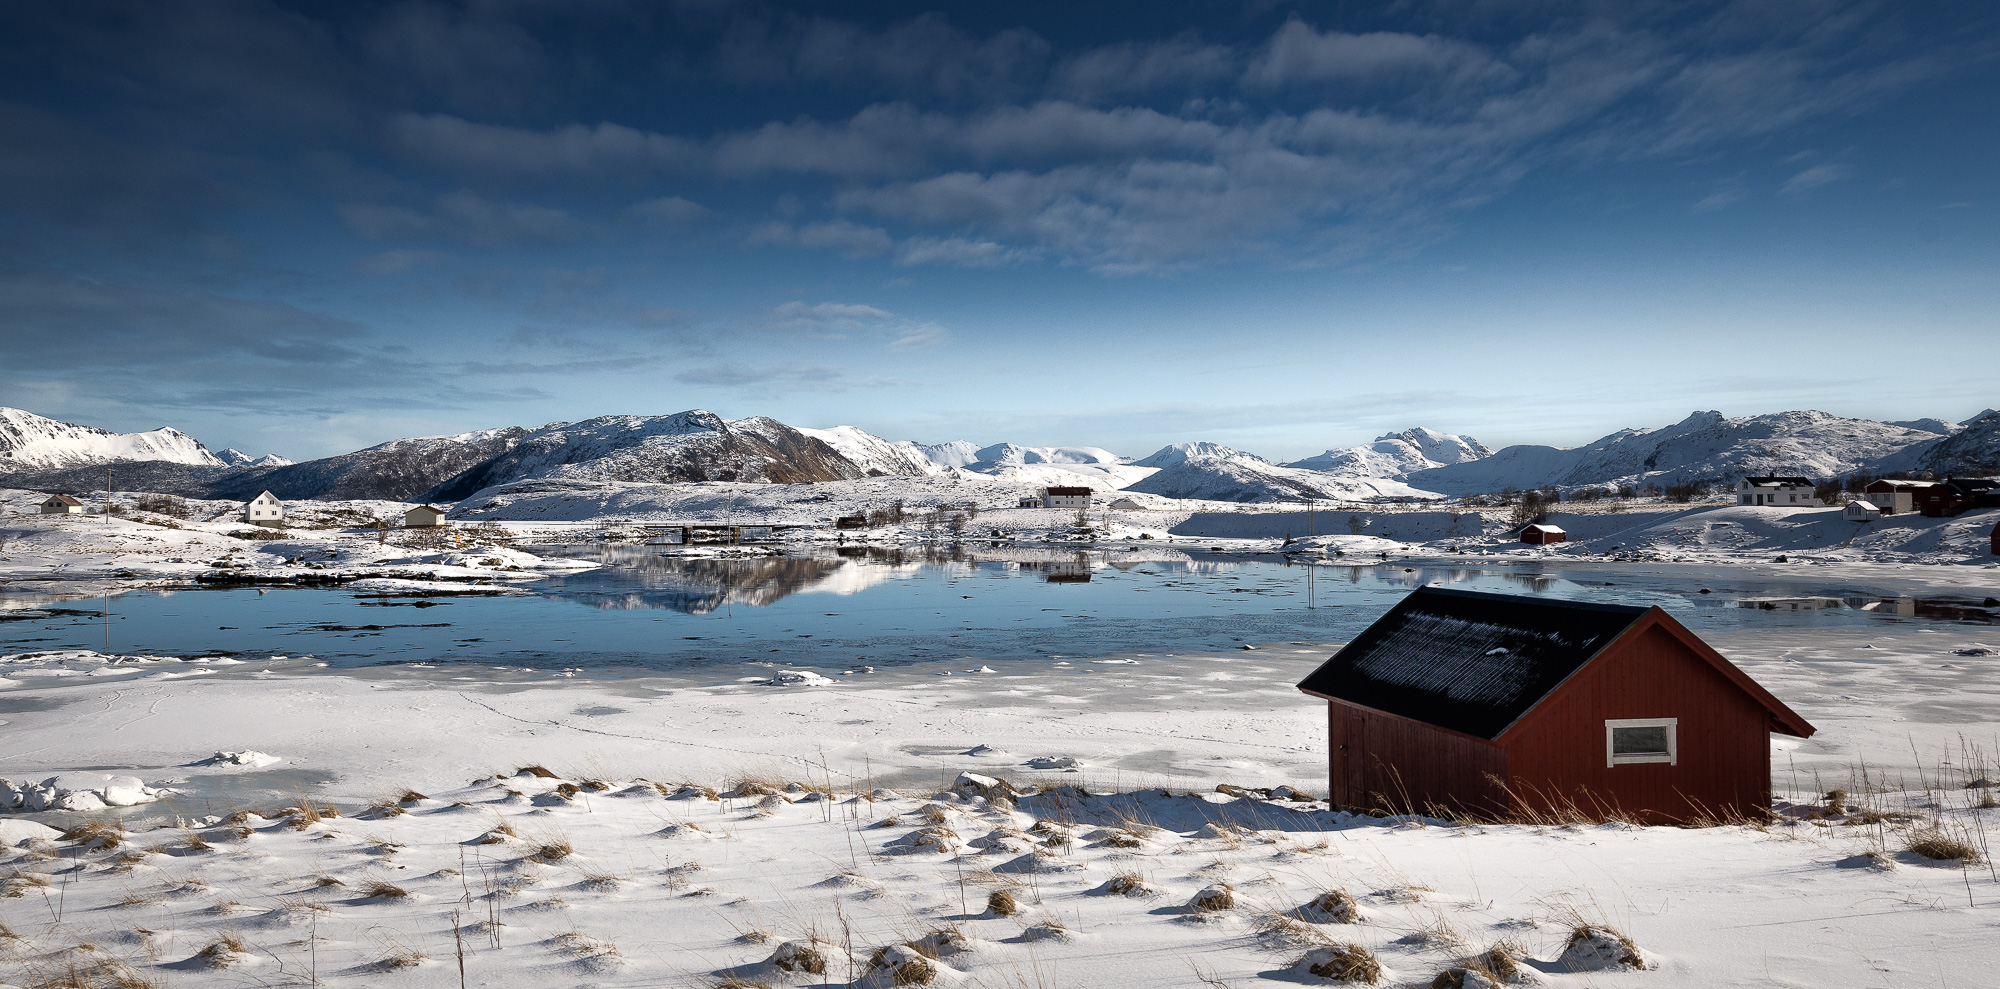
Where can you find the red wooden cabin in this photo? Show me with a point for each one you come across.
(1542, 535)
(1495, 706)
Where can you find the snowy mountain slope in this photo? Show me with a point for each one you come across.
(956, 453)
(32, 442)
(1248, 479)
(1972, 451)
(1100, 476)
(1938, 426)
(1180, 453)
(689, 446)
(391, 471)
(875, 455)
(989, 459)
(237, 458)
(1398, 455)
(1706, 446)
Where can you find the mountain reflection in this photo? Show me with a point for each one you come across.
(637, 577)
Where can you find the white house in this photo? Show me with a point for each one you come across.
(1860, 511)
(62, 505)
(265, 509)
(1064, 497)
(1785, 492)
(423, 517)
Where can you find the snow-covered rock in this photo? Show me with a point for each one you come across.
(76, 791)
(32, 442)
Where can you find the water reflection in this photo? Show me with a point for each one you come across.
(1913, 608)
(645, 576)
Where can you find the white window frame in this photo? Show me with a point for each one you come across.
(1673, 727)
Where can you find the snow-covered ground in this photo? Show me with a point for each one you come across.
(622, 868)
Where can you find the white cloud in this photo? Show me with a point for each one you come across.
(1814, 177)
(959, 252)
(842, 236)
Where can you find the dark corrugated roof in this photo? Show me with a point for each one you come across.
(1468, 661)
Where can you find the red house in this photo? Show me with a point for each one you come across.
(1492, 706)
(1542, 535)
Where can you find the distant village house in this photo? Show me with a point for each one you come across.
(1495, 706)
(1772, 489)
(1896, 497)
(1065, 497)
(1861, 511)
(1954, 495)
(265, 509)
(62, 504)
(423, 517)
(1029, 502)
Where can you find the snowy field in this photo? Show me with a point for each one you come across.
(621, 870)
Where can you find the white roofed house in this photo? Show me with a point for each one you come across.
(1860, 511)
(423, 517)
(62, 504)
(265, 509)
(1776, 489)
(1058, 496)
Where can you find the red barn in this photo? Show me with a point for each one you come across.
(1542, 535)
(1497, 706)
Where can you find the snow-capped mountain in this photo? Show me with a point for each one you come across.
(237, 458)
(32, 442)
(696, 445)
(876, 456)
(1250, 479)
(391, 471)
(1706, 446)
(1398, 455)
(1973, 451)
(956, 453)
(1174, 454)
(1079, 466)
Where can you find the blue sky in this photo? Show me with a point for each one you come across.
(309, 228)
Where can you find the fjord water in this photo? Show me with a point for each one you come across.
(654, 612)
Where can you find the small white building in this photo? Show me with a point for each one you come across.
(423, 517)
(265, 509)
(1032, 502)
(1779, 490)
(62, 505)
(1860, 511)
(1065, 497)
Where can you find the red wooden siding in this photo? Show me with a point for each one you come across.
(1398, 764)
(1556, 752)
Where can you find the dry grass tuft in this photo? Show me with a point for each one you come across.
(387, 808)
(96, 833)
(539, 772)
(1598, 947)
(808, 956)
(1001, 903)
(1342, 963)
(400, 959)
(17, 884)
(226, 950)
(1213, 899)
(553, 847)
(1932, 843)
(411, 796)
(904, 965)
(1281, 931)
(381, 889)
(1332, 906)
(1128, 884)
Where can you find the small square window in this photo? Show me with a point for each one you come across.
(1637, 740)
